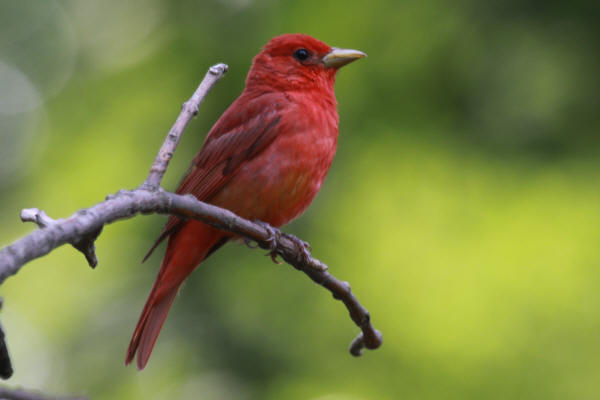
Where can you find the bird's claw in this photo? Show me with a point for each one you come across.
(274, 255)
(305, 247)
(249, 243)
(272, 240)
(275, 235)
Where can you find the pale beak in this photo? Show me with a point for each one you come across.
(337, 58)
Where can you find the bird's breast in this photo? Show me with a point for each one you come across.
(277, 185)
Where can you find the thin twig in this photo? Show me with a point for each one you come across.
(188, 111)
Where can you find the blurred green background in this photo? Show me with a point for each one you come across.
(463, 205)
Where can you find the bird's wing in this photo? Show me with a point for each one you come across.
(243, 131)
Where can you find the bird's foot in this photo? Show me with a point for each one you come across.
(249, 243)
(304, 254)
(272, 240)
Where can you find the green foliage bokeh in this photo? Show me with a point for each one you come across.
(463, 205)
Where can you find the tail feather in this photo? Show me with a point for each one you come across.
(156, 319)
(185, 250)
(153, 316)
(148, 327)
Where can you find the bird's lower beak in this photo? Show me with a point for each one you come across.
(337, 58)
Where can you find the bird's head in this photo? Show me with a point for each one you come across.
(297, 61)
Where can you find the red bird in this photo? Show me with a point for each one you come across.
(265, 159)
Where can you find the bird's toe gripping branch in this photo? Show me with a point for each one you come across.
(272, 241)
(305, 248)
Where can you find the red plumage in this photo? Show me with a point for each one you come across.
(265, 159)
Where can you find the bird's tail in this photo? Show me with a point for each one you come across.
(185, 250)
(148, 327)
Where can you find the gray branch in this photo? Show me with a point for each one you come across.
(126, 204)
(6, 369)
(82, 228)
(22, 394)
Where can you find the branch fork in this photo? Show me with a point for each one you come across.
(85, 244)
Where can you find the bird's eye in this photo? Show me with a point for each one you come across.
(301, 54)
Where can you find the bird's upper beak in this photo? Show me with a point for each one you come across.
(337, 58)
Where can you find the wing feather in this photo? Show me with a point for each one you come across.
(243, 131)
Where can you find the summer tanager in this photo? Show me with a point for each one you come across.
(265, 159)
